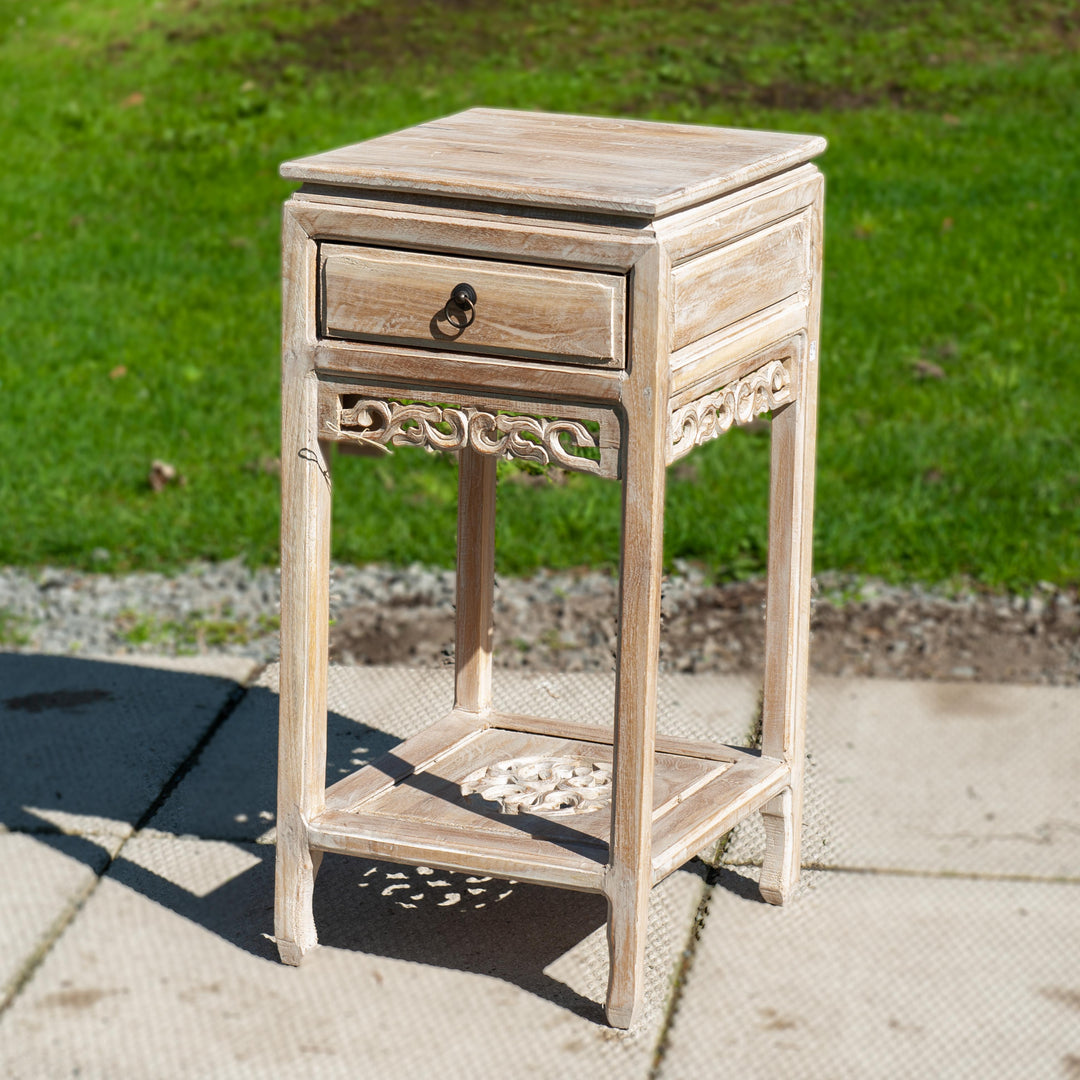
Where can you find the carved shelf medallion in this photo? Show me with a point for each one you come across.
(544, 785)
(737, 403)
(545, 440)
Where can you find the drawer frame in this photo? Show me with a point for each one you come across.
(526, 311)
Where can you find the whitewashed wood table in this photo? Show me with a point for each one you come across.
(601, 295)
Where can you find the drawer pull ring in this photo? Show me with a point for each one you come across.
(461, 307)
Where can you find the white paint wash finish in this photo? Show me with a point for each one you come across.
(602, 295)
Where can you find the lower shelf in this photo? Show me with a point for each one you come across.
(529, 799)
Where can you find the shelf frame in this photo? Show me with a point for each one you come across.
(686, 823)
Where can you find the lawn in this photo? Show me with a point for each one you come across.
(139, 269)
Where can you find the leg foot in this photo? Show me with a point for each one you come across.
(626, 926)
(290, 953)
(294, 920)
(780, 868)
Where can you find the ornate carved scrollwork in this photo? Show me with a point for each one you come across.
(737, 403)
(546, 786)
(435, 427)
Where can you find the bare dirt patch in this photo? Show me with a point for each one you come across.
(686, 53)
(878, 630)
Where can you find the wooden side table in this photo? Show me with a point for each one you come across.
(602, 295)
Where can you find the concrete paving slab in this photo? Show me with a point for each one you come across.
(870, 975)
(237, 668)
(720, 707)
(938, 777)
(86, 745)
(168, 972)
(43, 878)
(230, 794)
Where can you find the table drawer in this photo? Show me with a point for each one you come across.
(538, 312)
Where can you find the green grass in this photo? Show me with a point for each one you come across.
(195, 632)
(13, 629)
(140, 215)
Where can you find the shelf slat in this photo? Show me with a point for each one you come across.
(416, 754)
(715, 809)
(568, 729)
(521, 858)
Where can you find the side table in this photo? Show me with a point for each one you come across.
(602, 295)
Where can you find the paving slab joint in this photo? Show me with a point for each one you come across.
(712, 876)
(232, 702)
(67, 916)
(922, 872)
(10, 992)
(686, 962)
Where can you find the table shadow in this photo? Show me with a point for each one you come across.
(88, 739)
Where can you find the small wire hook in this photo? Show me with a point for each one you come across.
(307, 454)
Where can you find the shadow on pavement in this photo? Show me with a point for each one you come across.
(741, 885)
(88, 747)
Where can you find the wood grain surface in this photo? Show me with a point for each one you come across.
(787, 601)
(631, 278)
(741, 278)
(305, 573)
(335, 396)
(547, 313)
(630, 167)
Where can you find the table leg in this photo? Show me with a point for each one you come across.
(305, 573)
(787, 632)
(474, 630)
(630, 875)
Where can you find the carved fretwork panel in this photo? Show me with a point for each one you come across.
(739, 402)
(548, 786)
(531, 438)
(572, 437)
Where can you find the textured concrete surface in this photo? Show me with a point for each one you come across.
(169, 972)
(938, 777)
(43, 879)
(237, 668)
(230, 794)
(928, 961)
(883, 976)
(87, 745)
(937, 934)
(168, 969)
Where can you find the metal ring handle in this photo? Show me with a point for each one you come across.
(461, 307)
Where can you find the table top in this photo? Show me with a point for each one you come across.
(635, 168)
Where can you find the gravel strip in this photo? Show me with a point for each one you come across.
(552, 621)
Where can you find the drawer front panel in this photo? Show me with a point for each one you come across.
(381, 295)
(740, 279)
